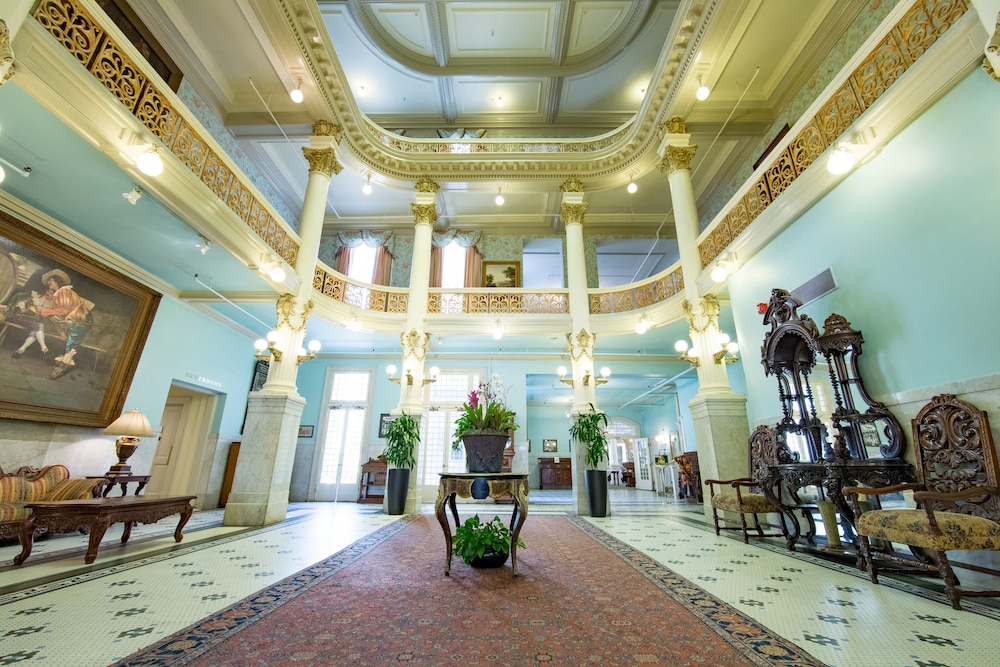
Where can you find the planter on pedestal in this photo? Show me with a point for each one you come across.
(484, 451)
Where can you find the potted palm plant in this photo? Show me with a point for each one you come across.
(483, 544)
(401, 439)
(588, 431)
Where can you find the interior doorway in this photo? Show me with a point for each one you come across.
(182, 461)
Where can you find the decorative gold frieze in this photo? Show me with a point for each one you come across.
(6, 54)
(674, 125)
(581, 346)
(909, 39)
(291, 314)
(322, 160)
(327, 128)
(426, 185)
(571, 184)
(703, 315)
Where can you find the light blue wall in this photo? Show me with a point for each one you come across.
(912, 239)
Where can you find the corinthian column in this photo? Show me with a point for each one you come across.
(718, 414)
(264, 470)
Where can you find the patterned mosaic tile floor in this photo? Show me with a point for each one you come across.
(58, 611)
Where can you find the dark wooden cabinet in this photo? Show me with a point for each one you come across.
(371, 489)
(554, 473)
(230, 473)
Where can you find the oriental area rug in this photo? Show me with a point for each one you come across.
(582, 598)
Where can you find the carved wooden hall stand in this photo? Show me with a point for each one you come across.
(482, 485)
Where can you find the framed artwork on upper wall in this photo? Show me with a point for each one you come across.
(71, 330)
(383, 424)
(501, 274)
(550, 445)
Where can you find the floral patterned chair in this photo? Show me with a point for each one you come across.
(743, 496)
(958, 502)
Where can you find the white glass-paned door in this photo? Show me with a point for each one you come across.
(444, 398)
(340, 461)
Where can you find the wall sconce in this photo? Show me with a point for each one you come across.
(314, 346)
(271, 268)
(129, 427)
(588, 379)
(724, 268)
(149, 162)
(497, 330)
(642, 326)
(204, 245)
(266, 348)
(408, 375)
(686, 352)
(727, 351)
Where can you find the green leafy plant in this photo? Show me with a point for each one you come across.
(588, 430)
(485, 411)
(474, 538)
(401, 439)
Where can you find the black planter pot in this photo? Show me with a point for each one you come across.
(397, 485)
(484, 451)
(597, 492)
(490, 559)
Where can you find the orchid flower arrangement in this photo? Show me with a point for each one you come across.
(485, 411)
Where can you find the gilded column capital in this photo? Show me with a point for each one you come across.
(291, 314)
(424, 214)
(6, 54)
(573, 212)
(581, 346)
(322, 160)
(674, 125)
(414, 344)
(426, 185)
(677, 158)
(327, 128)
(571, 184)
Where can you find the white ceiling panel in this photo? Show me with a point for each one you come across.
(593, 23)
(501, 29)
(520, 96)
(407, 23)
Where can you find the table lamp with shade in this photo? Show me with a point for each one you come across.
(129, 427)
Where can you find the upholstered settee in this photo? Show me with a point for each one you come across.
(48, 484)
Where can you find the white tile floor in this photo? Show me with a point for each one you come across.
(59, 611)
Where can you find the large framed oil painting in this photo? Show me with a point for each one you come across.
(71, 330)
(501, 274)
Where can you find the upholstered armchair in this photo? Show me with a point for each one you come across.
(743, 496)
(957, 503)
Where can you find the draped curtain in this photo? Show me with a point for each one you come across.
(383, 258)
(473, 258)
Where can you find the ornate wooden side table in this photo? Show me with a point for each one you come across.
(481, 485)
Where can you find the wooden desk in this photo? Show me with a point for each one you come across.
(494, 485)
(96, 514)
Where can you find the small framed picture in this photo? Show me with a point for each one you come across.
(306, 431)
(501, 274)
(550, 445)
(383, 424)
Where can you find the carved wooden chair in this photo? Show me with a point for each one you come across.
(744, 496)
(958, 502)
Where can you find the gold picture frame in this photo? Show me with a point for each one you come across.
(501, 274)
(72, 328)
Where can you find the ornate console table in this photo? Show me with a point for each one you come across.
(481, 485)
(832, 477)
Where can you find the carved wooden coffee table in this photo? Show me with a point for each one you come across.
(481, 485)
(96, 514)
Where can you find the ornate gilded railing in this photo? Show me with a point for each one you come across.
(492, 301)
(885, 64)
(360, 295)
(137, 86)
(637, 295)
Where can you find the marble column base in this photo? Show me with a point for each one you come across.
(722, 434)
(264, 469)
